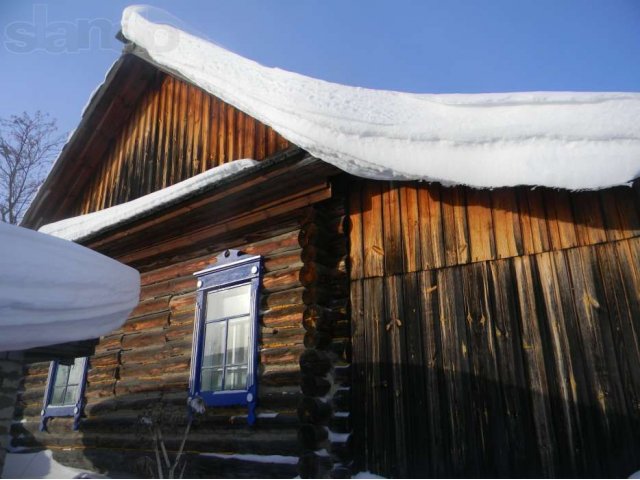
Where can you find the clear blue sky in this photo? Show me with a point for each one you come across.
(419, 46)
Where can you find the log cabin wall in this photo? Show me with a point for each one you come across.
(324, 409)
(175, 131)
(495, 333)
(143, 369)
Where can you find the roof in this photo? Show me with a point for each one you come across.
(81, 227)
(555, 139)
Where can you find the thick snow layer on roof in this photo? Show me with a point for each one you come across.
(83, 226)
(54, 291)
(554, 139)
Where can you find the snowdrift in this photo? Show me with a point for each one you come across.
(55, 291)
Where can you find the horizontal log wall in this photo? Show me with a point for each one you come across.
(143, 369)
(176, 131)
(496, 332)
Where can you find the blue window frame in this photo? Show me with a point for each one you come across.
(64, 395)
(224, 356)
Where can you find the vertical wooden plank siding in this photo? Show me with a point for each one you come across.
(431, 237)
(480, 225)
(373, 244)
(503, 338)
(409, 227)
(409, 212)
(355, 226)
(176, 131)
(393, 238)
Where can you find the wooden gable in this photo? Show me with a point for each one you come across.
(175, 132)
(145, 130)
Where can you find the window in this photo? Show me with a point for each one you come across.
(223, 367)
(63, 396)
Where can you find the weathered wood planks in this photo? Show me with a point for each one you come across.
(174, 132)
(409, 227)
(523, 366)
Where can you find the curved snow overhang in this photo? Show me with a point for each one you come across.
(556, 139)
(572, 140)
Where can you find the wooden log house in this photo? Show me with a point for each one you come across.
(405, 328)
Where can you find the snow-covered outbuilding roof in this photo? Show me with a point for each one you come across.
(554, 139)
(81, 227)
(54, 291)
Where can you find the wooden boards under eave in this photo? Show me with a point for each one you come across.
(401, 227)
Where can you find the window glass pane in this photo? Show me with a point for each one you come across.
(238, 341)
(228, 303)
(75, 375)
(236, 378)
(213, 344)
(58, 396)
(211, 379)
(62, 375)
(71, 396)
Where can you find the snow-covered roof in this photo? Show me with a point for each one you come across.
(555, 139)
(83, 226)
(54, 291)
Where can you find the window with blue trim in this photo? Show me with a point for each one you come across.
(64, 394)
(224, 358)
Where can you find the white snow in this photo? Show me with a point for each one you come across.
(248, 457)
(54, 291)
(197, 405)
(555, 139)
(267, 415)
(338, 437)
(366, 475)
(322, 452)
(40, 465)
(83, 226)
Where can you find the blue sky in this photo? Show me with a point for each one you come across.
(451, 46)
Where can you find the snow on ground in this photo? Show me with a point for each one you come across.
(555, 139)
(83, 226)
(248, 457)
(366, 475)
(40, 465)
(54, 291)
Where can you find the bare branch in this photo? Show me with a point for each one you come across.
(28, 145)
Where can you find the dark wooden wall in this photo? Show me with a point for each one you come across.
(175, 131)
(495, 333)
(144, 367)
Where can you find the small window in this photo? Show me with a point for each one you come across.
(65, 390)
(223, 367)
